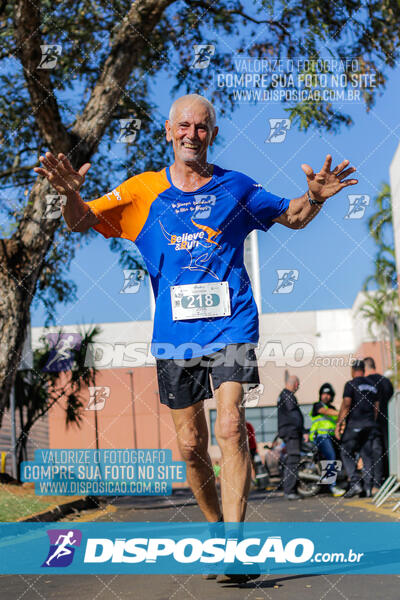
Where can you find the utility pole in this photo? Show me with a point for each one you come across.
(130, 373)
(152, 301)
(158, 419)
(13, 433)
(96, 426)
(252, 264)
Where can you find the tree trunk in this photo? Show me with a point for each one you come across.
(22, 256)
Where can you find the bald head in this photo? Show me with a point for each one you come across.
(193, 101)
(292, 383)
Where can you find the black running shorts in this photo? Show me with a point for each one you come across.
(183, 382)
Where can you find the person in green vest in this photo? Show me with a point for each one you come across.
(324, 417)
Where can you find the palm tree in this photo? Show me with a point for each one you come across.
(381, 310)
(380, 226)
(381, 307)
(38, 389)
(381, 221)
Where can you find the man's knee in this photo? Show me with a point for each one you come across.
(230, 429)
(192, 445)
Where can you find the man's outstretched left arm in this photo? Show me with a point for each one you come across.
(321, 186)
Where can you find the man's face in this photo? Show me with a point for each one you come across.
(326, 398)
(190, 132)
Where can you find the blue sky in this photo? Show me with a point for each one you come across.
(333, 255)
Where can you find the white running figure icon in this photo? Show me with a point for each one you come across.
(62, 550)
(65, 345)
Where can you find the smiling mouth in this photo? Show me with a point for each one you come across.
(190, 146)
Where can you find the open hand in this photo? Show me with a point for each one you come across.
(61, 174)
(327, 183)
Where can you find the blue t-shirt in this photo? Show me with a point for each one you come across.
(190, 238)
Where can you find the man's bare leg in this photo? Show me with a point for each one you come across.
(192, 432)
(231, 434)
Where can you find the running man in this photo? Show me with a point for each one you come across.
(62, 542)
(204, 304)
(62, 350)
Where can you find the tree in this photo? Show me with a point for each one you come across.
(112, 53)
(380, 226)
(37, 390)
(381, 307)
(381, 310)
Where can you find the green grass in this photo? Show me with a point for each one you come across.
(17, 502)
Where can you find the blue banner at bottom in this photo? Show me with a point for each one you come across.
(189, 548)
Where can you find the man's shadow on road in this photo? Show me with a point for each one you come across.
(268, 583)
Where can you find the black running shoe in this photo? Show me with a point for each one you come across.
(354, 490)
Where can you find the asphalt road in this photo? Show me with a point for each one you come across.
(183, 587)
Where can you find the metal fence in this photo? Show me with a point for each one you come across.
(392, 485)
(394, 435)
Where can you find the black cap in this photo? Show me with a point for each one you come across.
(326, 388)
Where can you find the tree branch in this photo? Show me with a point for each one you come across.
(217, 10)
(128, 45)
(45, 107)
(13, 170)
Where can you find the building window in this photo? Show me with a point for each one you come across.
(264, 420)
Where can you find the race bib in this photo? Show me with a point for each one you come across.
(200, 301)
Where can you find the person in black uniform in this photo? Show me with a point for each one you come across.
(290, 429)
(381, 442)
(358, 411)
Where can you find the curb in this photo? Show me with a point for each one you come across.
(58, 511)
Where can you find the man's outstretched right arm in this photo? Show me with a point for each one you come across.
(77, 214)
(67, 182)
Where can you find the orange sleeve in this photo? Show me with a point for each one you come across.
(124, 211)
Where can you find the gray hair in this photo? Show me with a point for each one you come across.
(292, 379)
(195, 98)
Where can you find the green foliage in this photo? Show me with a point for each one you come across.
(380, 226)
(381, 307)
(37, 390)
